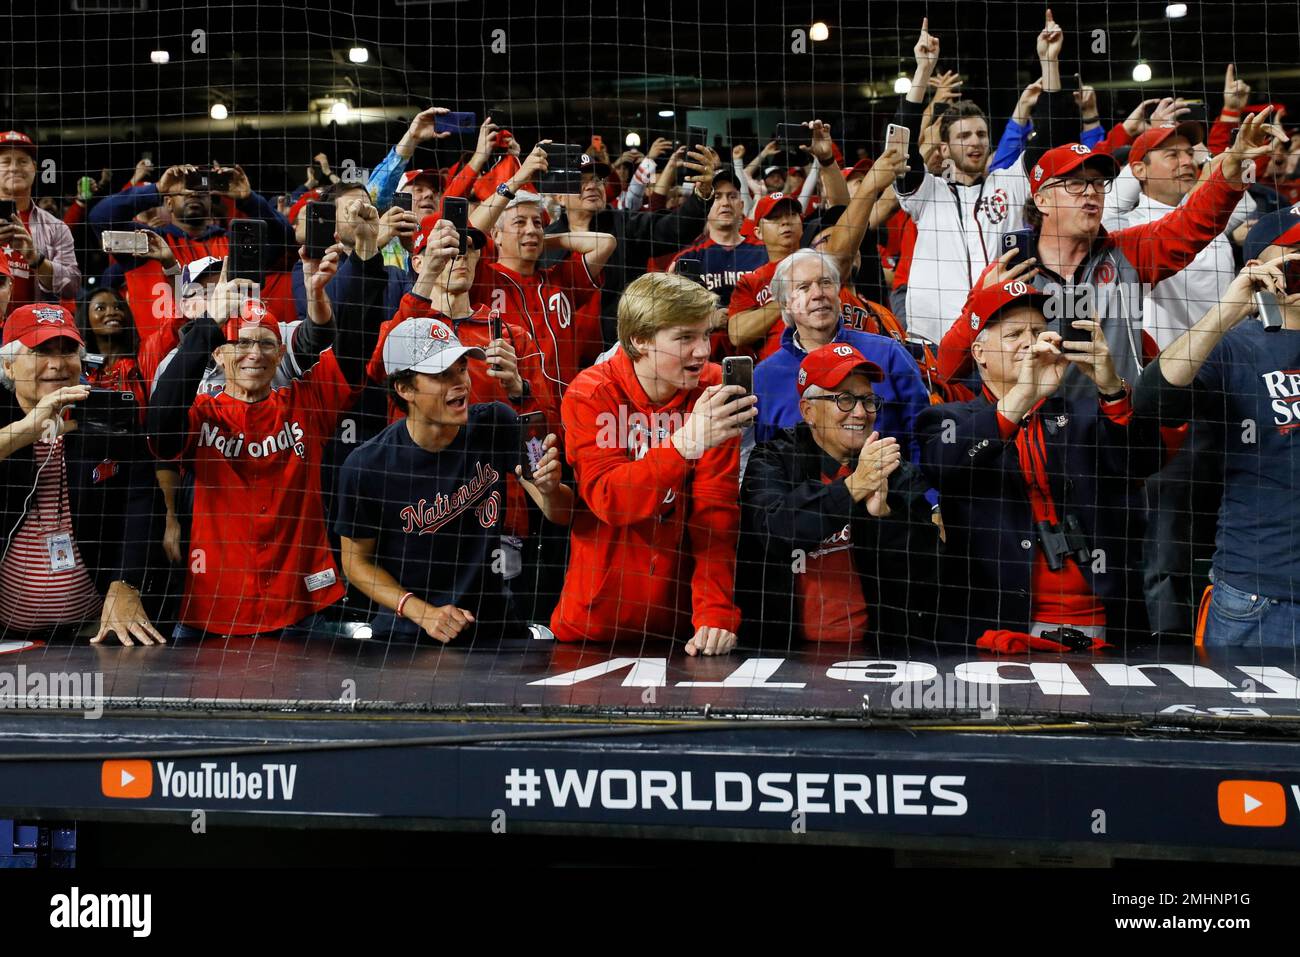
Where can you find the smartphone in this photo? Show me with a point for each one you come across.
(698, 136)
(496, 328)
(1078, 81)
(147, 155)
(790, 136)
(739, 370)
(7, 209)
(564, 169)
(403, 201)
(129, 242)
(455, 209)
(532, 426)
(1021, 240)
(246, 257)
(1196, 113)
(107, 411)
(455, 123)
(896, 134)
(320, 228)
(500, 118)
(1270, 312)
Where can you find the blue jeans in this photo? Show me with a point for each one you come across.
(300, 629)
(1238, 619)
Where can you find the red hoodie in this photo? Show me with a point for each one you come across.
(653, 534)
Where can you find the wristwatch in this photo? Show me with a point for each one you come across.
(504, 190)
(1115, 396)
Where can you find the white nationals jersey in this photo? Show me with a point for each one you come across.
(959, 231)
(1176, 304)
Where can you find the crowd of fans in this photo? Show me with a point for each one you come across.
(1076, 376)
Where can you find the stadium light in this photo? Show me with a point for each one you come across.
(359, 55)
(666, 113)
(218, 111)
(633, 141)
(1142, 73)
(160, 57)
(902, 84)
(340, 112)
(1175, 10)
(819, 31)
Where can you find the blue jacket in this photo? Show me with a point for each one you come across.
(903, 390)
(1094, 472)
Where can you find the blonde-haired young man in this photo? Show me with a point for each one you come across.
(654, 441)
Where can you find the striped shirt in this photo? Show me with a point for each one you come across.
(32, 594)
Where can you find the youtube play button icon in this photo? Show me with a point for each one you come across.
(126, 779)
(1252, 803)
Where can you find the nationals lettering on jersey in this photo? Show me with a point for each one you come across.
(425, 517)
(290, 436)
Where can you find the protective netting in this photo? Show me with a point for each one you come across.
(431, 356)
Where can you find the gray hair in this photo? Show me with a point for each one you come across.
(814, 391)
(781, 283)
(11, 351)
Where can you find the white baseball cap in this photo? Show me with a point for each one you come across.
(424, 345)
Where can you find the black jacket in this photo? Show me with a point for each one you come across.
(114, 498)
(1095, 469)
(785, 506)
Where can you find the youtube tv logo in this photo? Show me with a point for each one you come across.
(126, 779)
(1252, 803)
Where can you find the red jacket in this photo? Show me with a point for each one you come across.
(653, 534)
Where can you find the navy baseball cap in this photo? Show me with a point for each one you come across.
(1279, 228)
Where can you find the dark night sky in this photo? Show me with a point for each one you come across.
(84, 83)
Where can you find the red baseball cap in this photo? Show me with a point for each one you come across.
(765, 206)
(1192, 132)
(310, 196)
(830, 365)
(982, 305)
(254, 312)
(19, 141)
(476, 236)
(861, 168)
(433, 175)
(40, 322)
(1065, 159)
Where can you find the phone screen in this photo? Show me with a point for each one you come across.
(403, 201)
(532, 426)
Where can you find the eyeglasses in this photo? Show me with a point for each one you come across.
(256, 345)
(847, 401)
(1078, 185)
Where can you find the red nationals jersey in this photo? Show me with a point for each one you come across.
(560, 308)
(259, 558)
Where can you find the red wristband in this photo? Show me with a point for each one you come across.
(401, 602)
